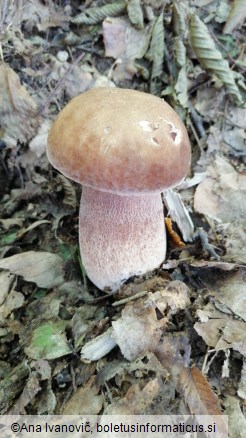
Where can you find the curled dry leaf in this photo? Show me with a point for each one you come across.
(42, 268)
(18, 111)
(210, 57)
(95, 15)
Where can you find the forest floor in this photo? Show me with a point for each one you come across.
(180, 332)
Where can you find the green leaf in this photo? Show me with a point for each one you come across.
(48, 341)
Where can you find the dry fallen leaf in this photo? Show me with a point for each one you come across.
(226, 285)
(222, 333)
(6, 281)
(236, 17)
(42, 268)
(137, 400)
(43, 15)
(18, 111)
(236, 418)
(242, 384)
(198, 393)
(125, 44)
(220, 195)
(14, 300)
(31, 389)
(85, 400)
(200, 398)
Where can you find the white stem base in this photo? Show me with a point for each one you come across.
(120, 236)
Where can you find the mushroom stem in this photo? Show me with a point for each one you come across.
(120, 236)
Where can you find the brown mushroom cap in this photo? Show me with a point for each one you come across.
(120, 141)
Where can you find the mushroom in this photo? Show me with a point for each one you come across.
(125, 147)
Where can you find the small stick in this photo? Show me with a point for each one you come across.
(59, 84)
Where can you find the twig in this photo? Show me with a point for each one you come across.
(197, 121)
(206, 246)
(59, 84)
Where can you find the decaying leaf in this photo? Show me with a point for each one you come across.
(96, 14)
(48, 341)
(174, 236)
(142, 366)
(171, 299)
(31, 389)
(210, 57)
(236, 17)
(42, 268)
(18, 111)
(12, 385)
